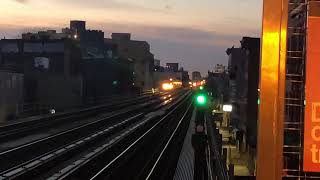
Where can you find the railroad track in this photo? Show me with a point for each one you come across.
(154, 154)
(19, 129)
(33, 159)
(137, 152)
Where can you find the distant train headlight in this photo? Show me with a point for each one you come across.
(167, 86)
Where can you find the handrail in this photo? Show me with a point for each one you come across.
(219, 166)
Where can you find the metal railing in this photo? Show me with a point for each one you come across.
(218, 165)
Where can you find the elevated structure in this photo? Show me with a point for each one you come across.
(287, 128)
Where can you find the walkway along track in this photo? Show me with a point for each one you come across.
(58, 148)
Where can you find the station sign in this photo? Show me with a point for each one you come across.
(311, 159)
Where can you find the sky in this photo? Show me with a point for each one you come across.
(195, 33)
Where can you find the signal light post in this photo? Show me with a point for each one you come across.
(199, 138)
(201, 100)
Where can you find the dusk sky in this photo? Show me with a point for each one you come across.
(194, 33)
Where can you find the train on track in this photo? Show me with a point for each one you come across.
(169, 85)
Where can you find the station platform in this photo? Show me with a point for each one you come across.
(185, 166)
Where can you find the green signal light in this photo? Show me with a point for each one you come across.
(201, 100)
(201, 87)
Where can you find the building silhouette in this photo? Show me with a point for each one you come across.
(139, 53)
(196, 76)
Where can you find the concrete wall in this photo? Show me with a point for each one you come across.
(59, 92)
(99, 77)
(11, 88)
(60, 83)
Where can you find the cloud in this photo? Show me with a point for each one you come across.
(194, 49)
(175, 34)
(102, 4)
(109, 4)
(21, 1)
(168, 7)
(190, 56)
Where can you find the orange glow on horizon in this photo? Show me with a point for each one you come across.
(34, 13)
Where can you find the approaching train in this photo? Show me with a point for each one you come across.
(171, 84)
(197, 84)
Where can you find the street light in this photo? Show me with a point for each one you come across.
(227, 108)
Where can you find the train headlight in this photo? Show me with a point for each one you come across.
(167, 86)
